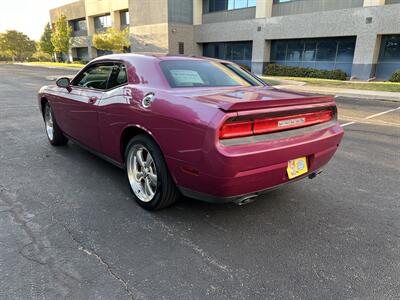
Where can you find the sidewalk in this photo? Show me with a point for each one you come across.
(298, 86)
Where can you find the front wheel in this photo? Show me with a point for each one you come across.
(54, 133)
(150, 182)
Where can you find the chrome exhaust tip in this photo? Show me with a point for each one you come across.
(313, 175)
(246, 199)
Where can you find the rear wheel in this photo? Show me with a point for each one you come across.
(54, 133)
(150, 182)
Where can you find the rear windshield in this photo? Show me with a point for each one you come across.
(195, 73)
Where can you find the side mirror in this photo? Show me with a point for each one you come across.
(64, 82)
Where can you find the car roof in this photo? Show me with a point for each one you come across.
(153, 56)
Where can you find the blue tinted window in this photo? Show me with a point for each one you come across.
(220, 5)
(239, 52)
(310, 51)
(295, 51)
(326, 50)
(278, 51)
(240, 4)
(389, 57)
(345, 51)
(322, 53)
(390, 48)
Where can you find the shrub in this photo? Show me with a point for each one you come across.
(246, 67)
(395, 76)
(41, 56)
(279, 70)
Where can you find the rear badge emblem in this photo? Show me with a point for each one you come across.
(291, 122)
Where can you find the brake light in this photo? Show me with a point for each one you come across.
(274, 124)
(236, 129)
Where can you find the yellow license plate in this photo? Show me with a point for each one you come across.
(297, 167)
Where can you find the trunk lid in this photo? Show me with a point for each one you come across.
(250, 98)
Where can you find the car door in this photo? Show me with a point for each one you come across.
(81, 109)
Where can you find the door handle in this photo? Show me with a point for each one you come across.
(92, 100)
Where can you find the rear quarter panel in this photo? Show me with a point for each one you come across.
(177, 124)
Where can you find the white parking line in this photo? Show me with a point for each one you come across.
(372, 116)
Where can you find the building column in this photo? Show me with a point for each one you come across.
(366, 56)
(197, 12)
(373, 2)
(116, 19)
(260, 55)
(70, 56)
(90, 29)
(264, 8)
(198, 49)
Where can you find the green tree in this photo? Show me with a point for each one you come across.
(61, 37)
(40, 55)
(16, 45)
(112, 40)
(45, 43)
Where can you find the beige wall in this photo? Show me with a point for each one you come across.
(181, 33)
(373, 2)
(146, 12)
(99, 7)
(197, 12)
(149, 25)
(264, 8)
(150, 29)
(75, 10)
(150, 38)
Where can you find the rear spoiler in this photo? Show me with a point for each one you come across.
(261, 104)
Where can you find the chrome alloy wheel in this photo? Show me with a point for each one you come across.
(48, 121)
(142, 173)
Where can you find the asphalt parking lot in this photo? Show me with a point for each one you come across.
(68, 228)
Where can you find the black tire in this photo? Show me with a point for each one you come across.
(57, 138)
(166, 192)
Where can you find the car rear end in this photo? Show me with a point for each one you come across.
(257, 145)
(258, 139)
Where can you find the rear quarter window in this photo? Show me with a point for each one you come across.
(197, 73)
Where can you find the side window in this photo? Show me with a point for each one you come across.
(118, 76)
(96, 77)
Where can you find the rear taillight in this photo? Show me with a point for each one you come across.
(236, 129)
(233, 129)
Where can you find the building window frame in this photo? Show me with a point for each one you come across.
(239, 52)
(213, 6)
(104, 21)
(125, 18)
(77, 28)
(181, 48)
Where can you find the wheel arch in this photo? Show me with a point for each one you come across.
(43, 101)
(130, 132)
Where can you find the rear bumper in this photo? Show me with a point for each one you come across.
(228, 173)
(239, 198)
